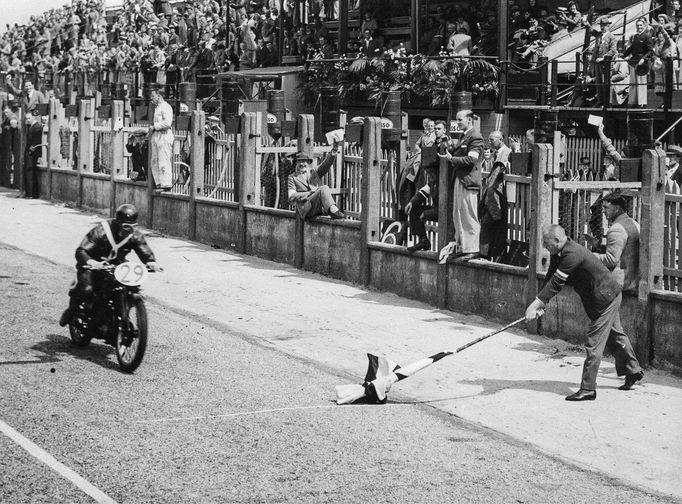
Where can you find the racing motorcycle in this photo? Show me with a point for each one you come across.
(116, 313)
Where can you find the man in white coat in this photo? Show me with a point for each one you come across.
(161, 142)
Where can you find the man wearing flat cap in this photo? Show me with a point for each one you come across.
(605, 46)
(674, 172)
(306, 190)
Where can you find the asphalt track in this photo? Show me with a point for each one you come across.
(214, 415)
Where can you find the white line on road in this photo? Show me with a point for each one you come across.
(55, 465)
(241, 413)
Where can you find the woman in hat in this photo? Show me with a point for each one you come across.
(640, 52)
(664, 48)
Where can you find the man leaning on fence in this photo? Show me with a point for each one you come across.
(161, 142)
(306, 190)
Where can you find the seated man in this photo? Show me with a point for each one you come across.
(306, 190)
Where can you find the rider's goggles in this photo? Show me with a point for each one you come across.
(128, 227)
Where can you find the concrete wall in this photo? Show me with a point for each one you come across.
(64, 185)
(412, 276)
(668, 336)
(171, 214)
(96, 192)
(332, 248)
(134, 193)
(219, 224)
(270, 234)
(496, 291)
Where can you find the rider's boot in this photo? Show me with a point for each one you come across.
(69, 312)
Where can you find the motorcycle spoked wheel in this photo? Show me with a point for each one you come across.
(131, 342)
(79, 334)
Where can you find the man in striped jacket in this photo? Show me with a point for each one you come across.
(574, 265)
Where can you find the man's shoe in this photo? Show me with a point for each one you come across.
(337, 215)
(423, 244)
(468, 256)
(66, 317)
(583, 395)
(630, 380)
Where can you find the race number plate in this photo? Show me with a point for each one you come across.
(131, 274)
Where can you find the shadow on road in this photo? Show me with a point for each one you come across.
(494, 386)
(57, 345)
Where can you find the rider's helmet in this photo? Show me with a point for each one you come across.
(126, 214)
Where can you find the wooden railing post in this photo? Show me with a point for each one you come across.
(540, 218)
(53, 143)
(116, 149)
(651, 243)
(370, 193)
(306, 134)
(445, 228)
(196, 178)
(249, 174)
(86, 112)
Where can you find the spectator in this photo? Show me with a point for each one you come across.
(8, 137)
(620, 74)
(466, 161)
(640, 51)
(572, 264)
(501, 152)
(34, 141)
(161, 142)
(428, 136)
(369, 45)
(663, 50)
(608, 171)
(674, 172)
(621, 256)
(492, 211)
(31, 96)
(306, 190)
(572, 19)
(417, 209)
(605, 48)
(459, 43)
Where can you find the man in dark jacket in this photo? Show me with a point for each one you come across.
(111, 240)
(574, 265)
(34, 140)
(417, 209)
(466, 163)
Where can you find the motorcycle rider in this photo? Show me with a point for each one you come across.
(111, 241)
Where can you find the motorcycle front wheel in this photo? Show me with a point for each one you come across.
(131, 341)
(79, 331)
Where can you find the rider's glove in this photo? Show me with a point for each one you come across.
(94, 264)
(152, 266)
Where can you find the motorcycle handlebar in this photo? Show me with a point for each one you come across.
(111, 267)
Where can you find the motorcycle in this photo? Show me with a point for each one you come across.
(116, 313)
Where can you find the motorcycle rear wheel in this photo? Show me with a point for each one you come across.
(131, 341)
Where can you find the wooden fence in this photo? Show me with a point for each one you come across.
(672, 251)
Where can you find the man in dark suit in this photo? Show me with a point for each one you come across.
(574, 265)
(305, 188)
(466, 163)
(674, 171)
(34, 140)
(605, 47)
(370, 46)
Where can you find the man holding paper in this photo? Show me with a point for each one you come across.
(306, 190)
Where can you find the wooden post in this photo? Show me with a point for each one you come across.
(606, 82)
(540, 218)
(502, 29)
(19, 151)
(85, 114)
(652, 227)
(116, 149)
(543, 64)
(370, 192)
(343, 27)
(249, 172)
(668, 82)
(445, 228)
(53, 143)
(306, 134)
(555, 82)
(196, 178)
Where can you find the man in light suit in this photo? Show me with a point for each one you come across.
(31, 97)
(306, 190)
(605, 47)
(466, 163)
(501, 151)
